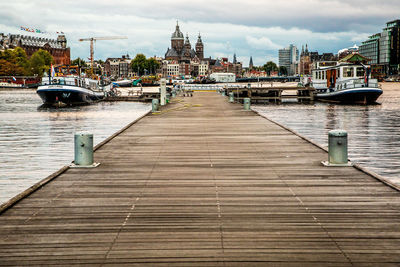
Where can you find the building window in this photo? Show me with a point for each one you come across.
(348, 72)
(360, 72)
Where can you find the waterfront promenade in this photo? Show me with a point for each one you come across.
(206, 183)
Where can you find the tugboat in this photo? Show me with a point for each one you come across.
(349, 82)
(68, 91)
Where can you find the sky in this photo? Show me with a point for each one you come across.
(256, 28)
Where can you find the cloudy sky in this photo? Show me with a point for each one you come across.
(256, 28)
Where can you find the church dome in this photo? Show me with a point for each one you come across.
(177, 35)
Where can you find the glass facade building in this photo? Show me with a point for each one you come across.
(384, 48)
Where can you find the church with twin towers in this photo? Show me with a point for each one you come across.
(181, 50)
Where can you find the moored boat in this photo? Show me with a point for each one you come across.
(123, 83)
(11, 85)
(68, 91)
(349, 82)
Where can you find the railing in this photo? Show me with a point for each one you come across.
(76, 82)
(347, 84)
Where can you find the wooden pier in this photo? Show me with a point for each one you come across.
(137, 97)
(204, 183)
(271, 94)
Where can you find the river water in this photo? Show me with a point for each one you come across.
(36, 142)
(373, 130)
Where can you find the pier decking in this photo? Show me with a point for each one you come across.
(206, 183)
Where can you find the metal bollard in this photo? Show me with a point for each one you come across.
(154, 105)
(337, 149)
(246, 103)
(83, 151)
(231, 98)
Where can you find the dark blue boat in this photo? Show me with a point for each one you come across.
(70, 91)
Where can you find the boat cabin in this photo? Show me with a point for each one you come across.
(72, 81)
(350, 72)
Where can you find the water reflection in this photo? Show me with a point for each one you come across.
(374, 131)
(36, 142)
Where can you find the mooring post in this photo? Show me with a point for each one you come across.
(337, 149)
(246, 103)
(83, 143)
(163, 92)
(231, 99)
(154, 105)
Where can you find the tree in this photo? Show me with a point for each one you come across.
(37, 64)
(283, 71)
(21, 61)
(153, 65)
(48, 59)
(79, 62)
(13, 62)
(40, 62)
(139, 64)
(269, 67)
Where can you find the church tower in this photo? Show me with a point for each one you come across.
(251, 63)
(177, 39)
(188, 47)
(199, 48)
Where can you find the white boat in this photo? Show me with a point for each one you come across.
(10, 85)
(62, 91)
(124, 83)
(348, 82)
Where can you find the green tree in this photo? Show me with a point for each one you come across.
(47, 57)
(283, 71)
(79, 62)
(152, 65)
(269, 67)
(40, 62)
(139, 64)
(37, 64)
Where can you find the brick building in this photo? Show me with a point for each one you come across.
(56, 47)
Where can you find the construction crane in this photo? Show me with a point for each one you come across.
(94, 39)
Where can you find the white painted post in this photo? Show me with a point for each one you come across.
(163, 91)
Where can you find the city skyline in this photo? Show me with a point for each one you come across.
(259, 32)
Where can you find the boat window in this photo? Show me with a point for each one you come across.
(360, 72)
(319, 75)
(348, 72)
(323, 75)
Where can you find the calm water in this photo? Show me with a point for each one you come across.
(37, 142)
(373, 131)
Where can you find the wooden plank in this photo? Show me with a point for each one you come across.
(207, 184)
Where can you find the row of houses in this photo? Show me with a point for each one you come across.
(121, 67)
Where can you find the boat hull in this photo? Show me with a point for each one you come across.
(351, 96)
(61, 95)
